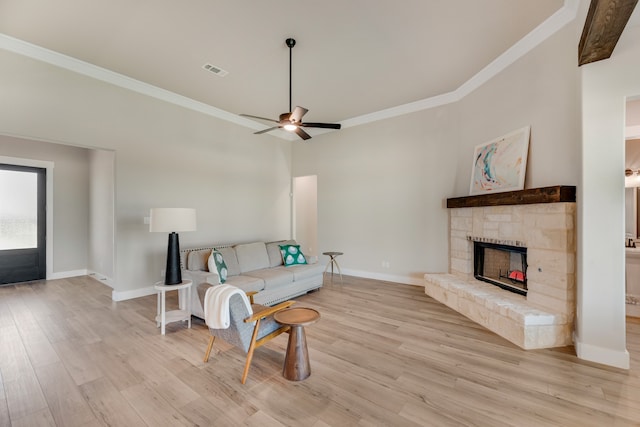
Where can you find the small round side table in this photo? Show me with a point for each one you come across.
(332, 260)
(184, 313)
(296, 361)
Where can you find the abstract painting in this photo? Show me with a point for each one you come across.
(500, 165)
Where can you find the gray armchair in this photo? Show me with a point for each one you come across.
(242, 332)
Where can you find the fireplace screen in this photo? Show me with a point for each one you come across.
(501, 265)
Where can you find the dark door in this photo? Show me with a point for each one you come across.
(22, 223)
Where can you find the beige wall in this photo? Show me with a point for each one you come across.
(380, 193)
(165, 156)
(542, 90)
(70, 198)
(382, 186)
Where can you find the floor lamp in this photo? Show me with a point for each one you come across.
(172, 220)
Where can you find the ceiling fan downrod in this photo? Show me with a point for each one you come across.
(290, 44)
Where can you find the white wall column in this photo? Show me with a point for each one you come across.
(600, 331)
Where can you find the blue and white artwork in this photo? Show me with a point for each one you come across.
(500, 165)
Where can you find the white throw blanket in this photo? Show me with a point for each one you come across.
(216, 305)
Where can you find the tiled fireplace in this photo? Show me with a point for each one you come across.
(541, 223)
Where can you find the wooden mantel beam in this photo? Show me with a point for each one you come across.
(602, 29)
(555, 194)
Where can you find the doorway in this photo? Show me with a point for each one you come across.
(305, 214)
(632, 213)
(23, 221)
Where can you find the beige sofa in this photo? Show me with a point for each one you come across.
(256, 266)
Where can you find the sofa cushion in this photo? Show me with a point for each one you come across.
(198, 277)
(252, 256)
(218, 266)
(272, 277)
(229, 256)
(304, 271)
(273, 250)
(292, 255)
(246, 283)
(197, 260)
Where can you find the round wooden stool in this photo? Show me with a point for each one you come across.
(296, 362)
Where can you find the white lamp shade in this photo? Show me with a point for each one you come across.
(172, 219)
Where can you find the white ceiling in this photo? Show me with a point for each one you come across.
(352, 58)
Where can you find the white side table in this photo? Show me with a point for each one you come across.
(184, 313)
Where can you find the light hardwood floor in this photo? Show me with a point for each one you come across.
(382, 354)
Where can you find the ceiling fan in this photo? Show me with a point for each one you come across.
(292, 121)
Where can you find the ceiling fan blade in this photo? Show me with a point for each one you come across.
(297, 113)
(302, 134)
(322, 125)
(284, 118)
(260, 118)
(266, 130)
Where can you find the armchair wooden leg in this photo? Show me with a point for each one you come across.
(252, 347)
(250, 294)
(206, 355)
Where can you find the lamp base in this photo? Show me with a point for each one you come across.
(173, 274)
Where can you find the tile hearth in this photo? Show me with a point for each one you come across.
(542, 319)
(505, 313)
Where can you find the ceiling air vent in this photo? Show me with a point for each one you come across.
(215, 70)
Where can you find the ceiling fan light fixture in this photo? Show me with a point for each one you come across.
(290, 127)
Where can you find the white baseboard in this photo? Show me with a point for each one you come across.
(67, 274)
(605, 356)
(134, 293)
(149, 290)
(405, 280)
(103, 279)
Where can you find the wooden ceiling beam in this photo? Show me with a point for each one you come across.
(602, 29)
(605, 22)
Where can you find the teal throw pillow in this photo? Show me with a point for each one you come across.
(292, 255)
(217, 265)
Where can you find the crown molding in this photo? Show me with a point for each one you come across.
(550, 26)
(72, 64)
(526, 44)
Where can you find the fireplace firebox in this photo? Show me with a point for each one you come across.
(501, 265)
